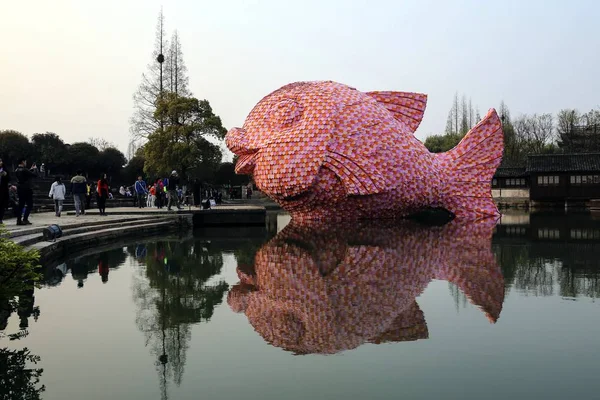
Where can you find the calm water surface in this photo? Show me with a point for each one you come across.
(365, 311)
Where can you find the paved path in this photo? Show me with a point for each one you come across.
(40, 220)
(117, 214)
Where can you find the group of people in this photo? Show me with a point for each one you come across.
(82, 191)
(9, 196)
(162, 192)
(20, 198)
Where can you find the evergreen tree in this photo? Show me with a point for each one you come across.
(182, 143)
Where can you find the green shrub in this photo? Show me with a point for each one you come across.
(18, 268)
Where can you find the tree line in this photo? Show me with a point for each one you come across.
(97, 156)
(94, 157)
(570, 131)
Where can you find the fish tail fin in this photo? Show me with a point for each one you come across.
(470, 167)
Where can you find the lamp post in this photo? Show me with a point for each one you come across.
(161, 60)
(502, 118)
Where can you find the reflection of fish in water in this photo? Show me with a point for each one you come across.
(324, 150)
(325, 289)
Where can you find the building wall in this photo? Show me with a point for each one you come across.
(510, 183)
(564, 189)
(510, 193)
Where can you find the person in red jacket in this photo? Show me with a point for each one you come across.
(102, 189)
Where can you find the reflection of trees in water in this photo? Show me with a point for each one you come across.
(172, 294)
(544, 269)
(18, 380)
(460, 300)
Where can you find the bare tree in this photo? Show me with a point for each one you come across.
(591, 117)
(143, 121)
(450, 123)
(464, 116)
(472, 122)
(175, 68)
(535, 131)
(544, 129)
(101, 143)
(452, 126)
(566, 120)
(455, 110)
(132, 148)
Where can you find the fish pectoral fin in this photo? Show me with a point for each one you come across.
(359, 178)
(405, 106)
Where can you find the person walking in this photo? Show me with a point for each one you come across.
(172, 188)
(24, 178)
(151, 196)
(57, 193)
(140, 191)
(4, 197)
(102, 189)
(13, 200)
(160, 194)
(88, 195)
(78, 189)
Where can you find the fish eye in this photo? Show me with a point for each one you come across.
(284, 114)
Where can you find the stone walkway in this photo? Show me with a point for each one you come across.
(118, 214)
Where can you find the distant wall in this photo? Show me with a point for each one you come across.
(510, 193)
(514, 218)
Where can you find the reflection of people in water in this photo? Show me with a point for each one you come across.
(79, 272)
(26, 308)
(141, 251)
(325, 289)
(103, 266)
(54, 276)
(103, 270)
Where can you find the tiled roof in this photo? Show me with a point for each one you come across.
(564, 163)
(506, 163)
(507, 172)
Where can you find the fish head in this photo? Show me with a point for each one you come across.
(283, 141)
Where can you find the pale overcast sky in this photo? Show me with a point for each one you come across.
(71, 67)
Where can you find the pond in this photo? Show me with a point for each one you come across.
(378, 311)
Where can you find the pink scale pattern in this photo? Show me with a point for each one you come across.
(326, 151)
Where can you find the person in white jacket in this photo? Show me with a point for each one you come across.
(57, 192)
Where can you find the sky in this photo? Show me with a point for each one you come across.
(71, 67)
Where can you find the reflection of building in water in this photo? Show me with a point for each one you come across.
(555, 254)
(171, 295)
(325, 289)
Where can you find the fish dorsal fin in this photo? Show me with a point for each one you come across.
(405, 106)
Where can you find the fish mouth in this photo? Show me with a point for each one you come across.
(246, 163)
(237, 141)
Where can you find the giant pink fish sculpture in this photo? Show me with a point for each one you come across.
(326, 151)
